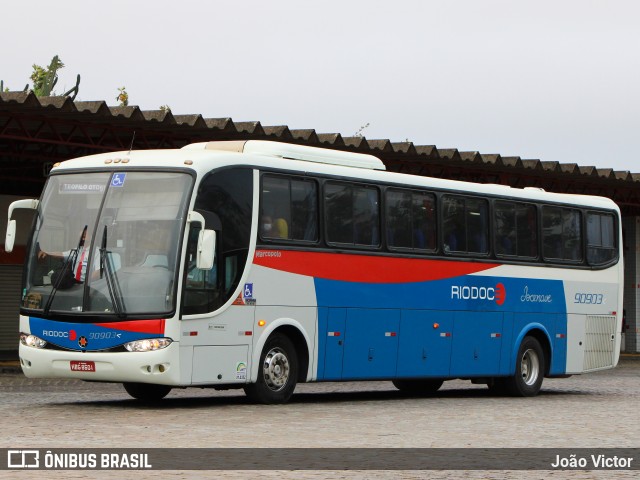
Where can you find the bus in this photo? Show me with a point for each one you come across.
(259, 265)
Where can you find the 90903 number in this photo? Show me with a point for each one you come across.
(589, 298)
(104, 335)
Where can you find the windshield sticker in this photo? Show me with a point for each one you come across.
(65, 188)
(118, 179)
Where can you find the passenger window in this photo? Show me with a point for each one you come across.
(465, 225)
(410, 220)
(601, 247)
(304, 210)
(561, 234)
(454, 225)
(352, 214)
(515, 230)
(276, 208)
(289, 209)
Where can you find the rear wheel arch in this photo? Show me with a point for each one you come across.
(539, 333)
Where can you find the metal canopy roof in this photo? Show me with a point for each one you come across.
(35, 132)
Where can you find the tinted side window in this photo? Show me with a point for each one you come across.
(289, 209)
(352, 214)
(465, 225)
(410, 220)
(516, 230)
(338, 207)
(601, 246)
(561, 234)
(304, 210)
(276, 207)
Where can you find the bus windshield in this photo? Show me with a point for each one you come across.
(106, 243)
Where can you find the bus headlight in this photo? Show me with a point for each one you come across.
(148, 344)
(32, 341)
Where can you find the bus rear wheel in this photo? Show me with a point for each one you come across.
(278, 373)
(530, 368)
(147, 392)
(418, 387)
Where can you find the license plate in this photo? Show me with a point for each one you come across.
(77, 366)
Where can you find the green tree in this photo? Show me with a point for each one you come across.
(45, 79)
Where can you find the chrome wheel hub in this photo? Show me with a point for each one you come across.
(530, 367)
(276, 369)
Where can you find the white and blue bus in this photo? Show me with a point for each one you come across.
(258, 265)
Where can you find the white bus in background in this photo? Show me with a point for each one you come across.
(258, 265)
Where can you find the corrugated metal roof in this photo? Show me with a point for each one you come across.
(198, 126)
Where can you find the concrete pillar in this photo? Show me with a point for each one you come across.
(631, 230)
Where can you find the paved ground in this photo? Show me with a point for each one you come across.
(596, 410)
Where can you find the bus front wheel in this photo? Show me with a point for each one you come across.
(530, 368)
(146, 391)
(278, 372)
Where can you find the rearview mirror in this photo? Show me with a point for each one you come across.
(10, 239)
(206, 249)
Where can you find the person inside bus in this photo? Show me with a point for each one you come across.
(281, 228)
(78, 270)
(277, 228)
(454, 237)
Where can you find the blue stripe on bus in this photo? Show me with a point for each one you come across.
(461, 293)
(461, 327)
(83, 336)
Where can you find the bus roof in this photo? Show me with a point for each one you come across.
(205, 156)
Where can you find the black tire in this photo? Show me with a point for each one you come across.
(530, 368)
(278, 373)
(498, 386)
(147, 392)
(418, 387)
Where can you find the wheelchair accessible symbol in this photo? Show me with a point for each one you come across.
(248, 290)
(118, 179)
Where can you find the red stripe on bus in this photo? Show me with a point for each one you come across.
(155, 327)
(365, 268)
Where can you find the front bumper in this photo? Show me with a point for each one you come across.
(159, 367)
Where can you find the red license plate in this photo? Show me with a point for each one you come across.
(77, 366)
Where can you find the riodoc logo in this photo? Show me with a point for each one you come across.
(71, 334)
(501, 294)
(496, 294)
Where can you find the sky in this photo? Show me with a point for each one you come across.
(555, 80)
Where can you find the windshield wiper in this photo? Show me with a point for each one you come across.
(113, 285)
(68, 263)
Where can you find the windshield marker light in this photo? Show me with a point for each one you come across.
(32, 341)
(148, 344)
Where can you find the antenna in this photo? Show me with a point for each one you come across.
(132, 139)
